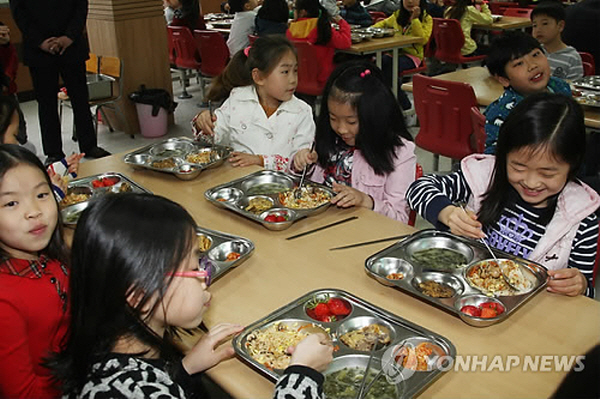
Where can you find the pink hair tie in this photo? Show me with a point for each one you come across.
(365, 73)
(247, 51)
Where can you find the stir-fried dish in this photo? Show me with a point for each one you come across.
(258, 205)
(73, 198)
(487, 276)
(168, 163)
(436, 290)
(203, 243)
(364, 338)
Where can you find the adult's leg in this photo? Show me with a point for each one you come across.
(74, 76)
(45, 85)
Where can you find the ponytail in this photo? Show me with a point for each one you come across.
(323, 27)
(235, 74)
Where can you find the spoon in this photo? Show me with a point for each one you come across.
(298, 191)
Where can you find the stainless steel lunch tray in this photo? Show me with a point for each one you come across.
(178, 149)
(401, 332)
(397, 258)
(588, 82)
(220, 245)
(70, 214)
(233, 196)
(590, 98)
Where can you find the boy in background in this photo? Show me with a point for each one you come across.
(242, 25)
(355, 14)
(548, 23)
(518, 62)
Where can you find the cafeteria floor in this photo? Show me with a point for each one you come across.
(117, 141)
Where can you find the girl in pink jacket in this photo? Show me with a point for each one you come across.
(363, 149)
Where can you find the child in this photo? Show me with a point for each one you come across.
(363, 149)
(136, 276)
(311, 24)
(33, 275)
(354, 13)
(410, 20)
(242, 25)
(516, 59)
(186, 13)
(548, 23)
(466, 12)
(262, 119)
(526, 200)
(272, 18)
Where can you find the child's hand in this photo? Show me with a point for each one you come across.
(348, 196)
(58, 181)
(205, 122)
(73, 162)
(461, 222)
(568, 281)
(314, 351)
(241, 159)
(415, 13)
(304, 157)
(205, 353)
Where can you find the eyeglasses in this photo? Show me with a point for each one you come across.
(205, 270)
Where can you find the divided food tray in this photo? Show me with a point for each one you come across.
(268, 187)
(400, 258)
(180, 156)
(85, 187)
(588, 82)
(402, 333)
(586, 97)
(217, 246)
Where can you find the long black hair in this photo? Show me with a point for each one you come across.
(12, 155)
(550, 122)
(457, 10)
(274, 10)
(8, 107)
(264, 55)
(314, 9)
(381, 123)
(124, 245)
(404, 14)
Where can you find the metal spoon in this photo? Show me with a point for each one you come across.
(298, 191)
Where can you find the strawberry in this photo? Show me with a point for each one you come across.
(471, 310)
(338, 307)
(271, 218)
(321, 311)
(97, 183)
(109, 181)
(328, 319)
(493, 305)
(487, 313)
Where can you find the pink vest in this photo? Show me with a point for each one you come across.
(575, 203)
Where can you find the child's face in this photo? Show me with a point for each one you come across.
(409, 5)
(536, 175)
(280, 84)
(546, 29)
(528, 74)
(28, 212)
(186, 299)
(344, 120)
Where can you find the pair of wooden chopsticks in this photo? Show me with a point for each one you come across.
(323, 227)
(360, 244)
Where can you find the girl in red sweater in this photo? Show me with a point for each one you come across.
(33, 275)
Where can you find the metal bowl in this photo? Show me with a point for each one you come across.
(476, 300)
(188, 171)
(245, 202)
(277, 226)
(220, 252)
(445, 279)
(356, 323)
(229, 194)
(438, 357)
(70, 215)
(388, 32)
(356, 37)
(266, 178)
(324, 298)
(137, 160)
(439, 242)
(383, 267)
(170, 149)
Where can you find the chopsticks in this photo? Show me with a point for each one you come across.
(360, 244)
(322, 227)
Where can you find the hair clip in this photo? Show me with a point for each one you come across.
(247, 51)
(365, 73)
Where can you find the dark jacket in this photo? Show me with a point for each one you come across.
(40, 19)
(356, 15)
(265, 27)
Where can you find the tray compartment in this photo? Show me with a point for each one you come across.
(273, 181)
(358, 323)
(382, 268)
(444, 279)
(168, 149)
(220, 243)
(418, 246)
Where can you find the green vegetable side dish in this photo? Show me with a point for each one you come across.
(345, 384)
(73, 217)
(266, 188)
(440, 258)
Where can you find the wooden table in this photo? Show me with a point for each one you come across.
(280, 271)
(506, 23)
(488, 89)
(381, 45)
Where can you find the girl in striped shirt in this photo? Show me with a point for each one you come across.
(525, 200)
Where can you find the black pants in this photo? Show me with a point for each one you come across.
(45, 84)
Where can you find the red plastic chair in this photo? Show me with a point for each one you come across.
(518, 12)
(587, 58)
(412, 215)
(449, 40)
(187, 54)
(444, 112)
(377, 15)
(308, 69)
(478, 125)
(213, 52)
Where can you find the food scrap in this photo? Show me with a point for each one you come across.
(232, 256)
(328, 309)
(395, 276)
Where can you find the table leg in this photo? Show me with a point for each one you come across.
(395, 71)
(378, 59)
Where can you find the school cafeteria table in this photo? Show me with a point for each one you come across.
(280, 271)
(488, 89)
(378, 46)
(506, 23)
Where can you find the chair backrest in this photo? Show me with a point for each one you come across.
(213, 52)
(412, 215)
(518, 12)
(377, 15)
(478, 124)
(171, 48)
(449, 40)
(92, 65)
(113, 67)
(588, 58)
(444, 112)
(186, 50)
(308, 69)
